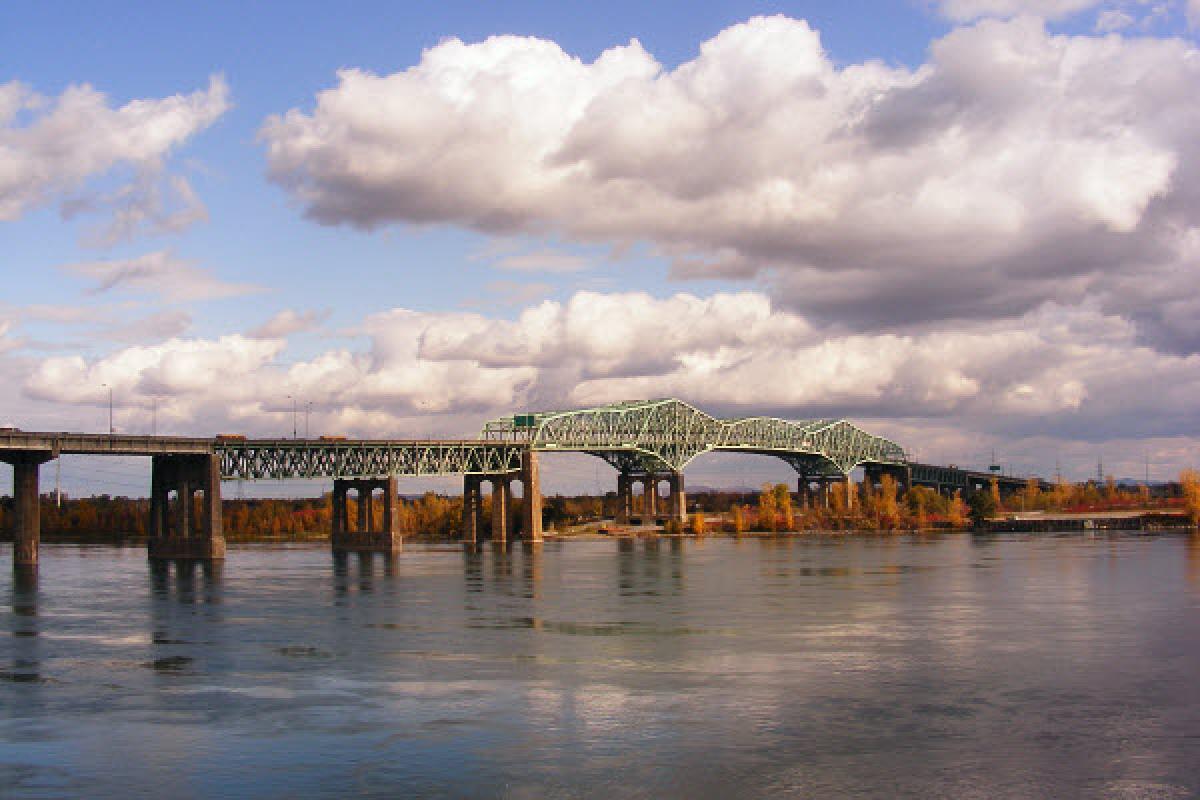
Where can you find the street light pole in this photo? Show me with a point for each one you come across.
(110, 407)
(307, 411)
(293, 399)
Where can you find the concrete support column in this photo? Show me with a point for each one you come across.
(337, 522)
(677, 503)
(158, 501)
(210, 482)
(391, 506)
(624, 498)
(824, 490)
(27, 531)
(364, 508)
(183, 509)
(185, 475)
(802, 491)
(499, 508)
(650, 497)
(366, 538)
(471, 516)
(531, 480)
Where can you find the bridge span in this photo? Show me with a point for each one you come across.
(647, 442)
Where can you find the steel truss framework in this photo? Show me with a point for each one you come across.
(658, 435)
(289, 458)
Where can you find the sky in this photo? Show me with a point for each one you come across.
(972, 226)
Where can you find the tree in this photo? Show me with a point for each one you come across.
(982, 507)
(887, 509)
(697, 524)
(1189, 486)
(739, 518)
(956, 514)
(767, 509)
(783, 506)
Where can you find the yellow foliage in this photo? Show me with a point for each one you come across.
(1189, 484)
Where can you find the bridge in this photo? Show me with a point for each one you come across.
(647, 442)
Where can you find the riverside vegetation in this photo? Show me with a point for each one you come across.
(772, 509)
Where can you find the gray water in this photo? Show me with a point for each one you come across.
(935, 666)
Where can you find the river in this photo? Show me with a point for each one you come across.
(959, 666)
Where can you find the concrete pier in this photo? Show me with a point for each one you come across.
(501, 495)
(677, 502)
(650, 497)
(624, 498)
(183, 538)
(472, 511)
(27, 516)
(532, 507)
(364, 537)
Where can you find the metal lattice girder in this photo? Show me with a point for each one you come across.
(290, 458)
(667, 434)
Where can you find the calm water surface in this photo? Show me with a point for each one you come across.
(945, 666)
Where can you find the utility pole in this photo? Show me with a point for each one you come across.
(58, 482)
(154, 416)
(293, 399)
(307, 411)
(110, 407)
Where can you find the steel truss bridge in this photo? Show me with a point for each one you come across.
(647, 442)
(664, 435)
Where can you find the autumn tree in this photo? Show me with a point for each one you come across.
(1189, 487)
(767, 509)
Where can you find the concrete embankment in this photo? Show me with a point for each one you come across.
(1140, 520)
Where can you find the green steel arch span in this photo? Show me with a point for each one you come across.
(658, 435)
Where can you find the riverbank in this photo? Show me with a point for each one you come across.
(1045, 521)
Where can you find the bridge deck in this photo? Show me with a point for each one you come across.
(281, 459)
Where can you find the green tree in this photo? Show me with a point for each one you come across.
(982, 507)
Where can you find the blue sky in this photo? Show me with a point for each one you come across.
(964, 223)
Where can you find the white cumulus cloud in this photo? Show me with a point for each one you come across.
(50, 147)
(1013, 168)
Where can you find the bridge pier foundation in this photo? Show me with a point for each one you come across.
(650, 496)
(532, 506)
(472, 507)
(624, 498)
(677, 502)
(365, 538)
(501, 495)
(27, 507)
(185, 475)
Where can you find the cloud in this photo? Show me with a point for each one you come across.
(544, 260)
(7, 341)
(1113, 20)
(511, 293)
(1013, 168)
(968, 10)
(1072, 373)
(159, 273)
(153, 328)
(288, 322)
(51, 147)
(1193, 13)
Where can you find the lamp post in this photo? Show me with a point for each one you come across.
(293, 399)
(307, 411)
(110, 407)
